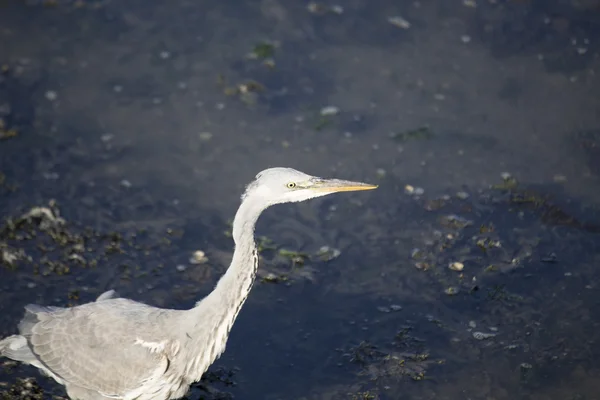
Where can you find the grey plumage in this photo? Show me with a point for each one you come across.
(116, 348)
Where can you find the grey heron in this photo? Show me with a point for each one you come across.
(117, 348)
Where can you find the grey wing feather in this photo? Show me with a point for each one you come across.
(110, 294)
(93, 345)
(15, 347)
(31, 316)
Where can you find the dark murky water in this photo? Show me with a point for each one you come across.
(143, 121)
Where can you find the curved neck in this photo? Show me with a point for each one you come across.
(233, 287)
(213, 316)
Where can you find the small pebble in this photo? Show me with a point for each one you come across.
(456, 266)
(51, 95)
(462, 195)
(329, 110)
(465, 38)
(381, 173)
(198, 257)
(107, 137)
(205, 136)
(506, 175)
(125, 183)
(337, 9)
(271, 277)
(399, 22)
(164, 55)
(181, 268)
(422, 266)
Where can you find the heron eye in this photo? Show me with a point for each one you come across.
(291, 185)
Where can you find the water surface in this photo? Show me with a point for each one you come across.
(140, 123)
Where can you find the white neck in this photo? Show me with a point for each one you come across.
(212, 318)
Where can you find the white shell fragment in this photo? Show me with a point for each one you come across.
(198, 257)
(456, 266)
(329, 110)
(51, 95)
(399, 22)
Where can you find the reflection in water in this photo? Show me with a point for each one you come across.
(143, 122)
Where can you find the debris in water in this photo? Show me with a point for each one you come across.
(272, 278)
(416, 191)
(327, 253)
(482, 335)
(422, 266)
(387, 309)
(205, 136)
(399, 22)
(451, 291)
(296, 256)
(51, 95)
(262, 51)
(329, 110)
(456, 266)
(422, 133)
(198, 257)
(550, 258)
(337, 9)
(455, 221)
(47, 217)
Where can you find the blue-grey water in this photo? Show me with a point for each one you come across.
(470, 273)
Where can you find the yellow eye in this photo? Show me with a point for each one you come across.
(291, 185)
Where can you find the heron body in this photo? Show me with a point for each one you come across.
(116, 348)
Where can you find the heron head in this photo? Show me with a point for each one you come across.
(284, 185)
